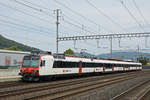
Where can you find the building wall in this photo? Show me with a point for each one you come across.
(11, 58)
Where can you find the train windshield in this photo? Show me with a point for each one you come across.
(31, 61)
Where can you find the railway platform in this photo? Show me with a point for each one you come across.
(9, 75)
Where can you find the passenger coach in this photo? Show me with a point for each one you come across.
(35, 66)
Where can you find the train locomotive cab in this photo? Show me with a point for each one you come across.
(30, 68)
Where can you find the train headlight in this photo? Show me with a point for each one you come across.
(21, 72)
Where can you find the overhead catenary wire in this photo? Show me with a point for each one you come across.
(37, 5)
(96, 32)
(140, 12)
(34, 8)
(82, 16)
(20, 28)
(37, 8)
(23, 22)
(23, 26)
(40, 10)
(102, 13)
(80, 27)
(85, 25)
(33, 15)
(75, 12)
(25, 13)
(68, 28)
(130, 13)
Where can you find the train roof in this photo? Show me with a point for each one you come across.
(63, 57)
(88, 59)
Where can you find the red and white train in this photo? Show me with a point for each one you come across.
(39, 66)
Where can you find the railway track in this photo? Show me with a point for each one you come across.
(66, 89)
(146, 95)
(138, 92)
(4, 85)
(76, 91)
(11, 84)
(20, 83)
(48, 86)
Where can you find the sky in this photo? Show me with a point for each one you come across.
(33, 23)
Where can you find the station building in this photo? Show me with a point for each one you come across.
(11, 59)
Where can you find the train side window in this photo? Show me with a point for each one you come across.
(75, 64)
(42, 63)
(60, 64)
(83, 64)
(55, 65)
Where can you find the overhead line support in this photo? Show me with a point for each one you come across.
(57, 29)
(108, 36)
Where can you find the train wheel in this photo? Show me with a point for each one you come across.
(53, 78)
(22, 79)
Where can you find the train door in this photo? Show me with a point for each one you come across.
(43, 67)
(80, 68)
(103, 67)
(112, 67)
(46, 65)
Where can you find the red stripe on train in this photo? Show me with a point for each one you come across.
(80, 68)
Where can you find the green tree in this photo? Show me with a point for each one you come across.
(15, 48)
(143, 60)
(69, 51)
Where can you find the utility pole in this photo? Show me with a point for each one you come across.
(57, 29)
(110, 47)
(138, 51)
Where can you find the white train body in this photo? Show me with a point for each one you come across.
(49, 65)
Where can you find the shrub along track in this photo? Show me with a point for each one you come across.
(67, 88)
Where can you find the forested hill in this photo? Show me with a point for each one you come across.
(6, 43)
